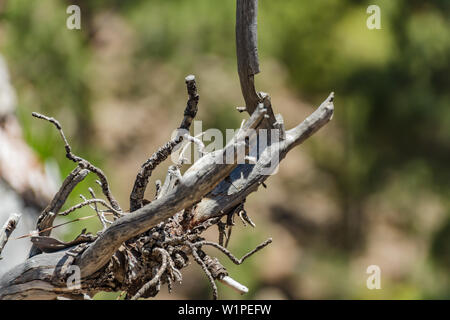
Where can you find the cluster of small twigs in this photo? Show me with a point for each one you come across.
(157, 256)
(166, 254)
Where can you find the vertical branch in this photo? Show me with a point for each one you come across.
(247, 59)
(247, 50)
(143, 176)
(191, 107)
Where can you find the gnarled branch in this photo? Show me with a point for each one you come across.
(190, 203)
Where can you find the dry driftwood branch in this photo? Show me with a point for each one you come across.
(197, 181)
(223, 198)
(148, 247)
(247, 58)
(246, 178)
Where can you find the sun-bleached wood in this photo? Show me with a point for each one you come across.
(210, 187)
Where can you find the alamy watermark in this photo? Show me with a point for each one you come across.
(374, 280)
(374, 20)
(259, 146)
(73, 281)
(74, 20)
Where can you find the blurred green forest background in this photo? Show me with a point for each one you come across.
(371, 188)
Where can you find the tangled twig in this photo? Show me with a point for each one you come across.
(88, 203)
(173, 257)
(156, 278)
(205, 269)
(100, 213)
(82, 162)
(229, 254)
